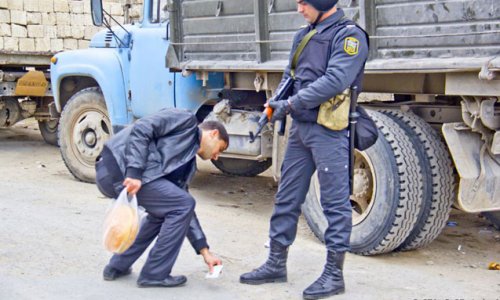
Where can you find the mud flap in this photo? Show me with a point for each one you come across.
(479, 188)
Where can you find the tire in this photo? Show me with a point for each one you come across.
(241, 167)
(48, 129)
(493, 217)
(84, 127)
(438, 181)
(386, 192)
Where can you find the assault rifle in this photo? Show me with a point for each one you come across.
(284, 91)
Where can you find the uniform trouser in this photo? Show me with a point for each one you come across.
(170, 210)
(313, 147)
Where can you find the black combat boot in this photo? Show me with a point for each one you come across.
(273, 270)
(331, 281)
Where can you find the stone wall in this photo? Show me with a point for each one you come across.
(54, 25)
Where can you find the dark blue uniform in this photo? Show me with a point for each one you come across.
(332, 61)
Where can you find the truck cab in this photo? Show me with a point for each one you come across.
(121, 77)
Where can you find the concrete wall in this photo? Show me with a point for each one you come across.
(53, 25)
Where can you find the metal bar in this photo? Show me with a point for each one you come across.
(262, 30)
(368, 20)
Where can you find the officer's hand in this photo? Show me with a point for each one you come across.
(280, 110)
(132, 185)
(210, 259)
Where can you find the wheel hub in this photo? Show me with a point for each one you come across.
(89, 134)
(361, 183)
(363, 188)
(90, 138)
(52, 125)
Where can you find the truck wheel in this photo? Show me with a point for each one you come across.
(83, 128)
(386, 192)
(438, 180)
(48, 129)
(241, 167)
(493, 217)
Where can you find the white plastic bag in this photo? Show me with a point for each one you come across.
(121, 224)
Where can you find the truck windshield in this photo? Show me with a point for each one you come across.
(159, 13)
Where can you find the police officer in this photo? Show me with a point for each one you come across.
(155, 158)
(332, 61)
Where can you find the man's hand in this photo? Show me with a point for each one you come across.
(210, 259)
(132, 185)
(280, 109)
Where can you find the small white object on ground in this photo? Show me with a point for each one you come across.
(215, 273)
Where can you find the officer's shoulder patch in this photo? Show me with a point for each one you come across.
(351, 45)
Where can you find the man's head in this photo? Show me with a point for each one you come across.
(315, 11)
(214, 140)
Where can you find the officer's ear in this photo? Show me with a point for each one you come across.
(214, 133)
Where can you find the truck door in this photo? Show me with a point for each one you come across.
(151, 83)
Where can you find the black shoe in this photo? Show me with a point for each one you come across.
(331, 281)
(273, 270)
(109, 273)
(170, 281)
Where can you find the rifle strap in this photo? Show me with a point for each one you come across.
(299, 49)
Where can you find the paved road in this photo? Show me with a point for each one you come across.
(50, 233)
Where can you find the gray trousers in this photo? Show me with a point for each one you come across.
(170, 210)
(313, 147)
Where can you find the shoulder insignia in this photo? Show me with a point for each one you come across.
(351, 46)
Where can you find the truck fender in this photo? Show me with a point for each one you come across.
(102, 66)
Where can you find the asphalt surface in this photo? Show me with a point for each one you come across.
(51, 247)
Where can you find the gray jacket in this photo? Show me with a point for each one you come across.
(156, 145)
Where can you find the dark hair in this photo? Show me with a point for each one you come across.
(211, 125)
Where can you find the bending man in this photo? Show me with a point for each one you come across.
(155, 158)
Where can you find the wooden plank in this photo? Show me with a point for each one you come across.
(439, 29)
(377, 66)
(283, 55)
(412, 12)
(235, 43)
(472, 41)
(197, 9)
(446, 52)
(282, 6)
(281, 36)
(221, 25)
(288, 21)
(218, 56)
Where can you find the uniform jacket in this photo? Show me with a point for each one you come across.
(332, 61)
(156, 145)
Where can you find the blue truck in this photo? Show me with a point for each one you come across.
(431, 84)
